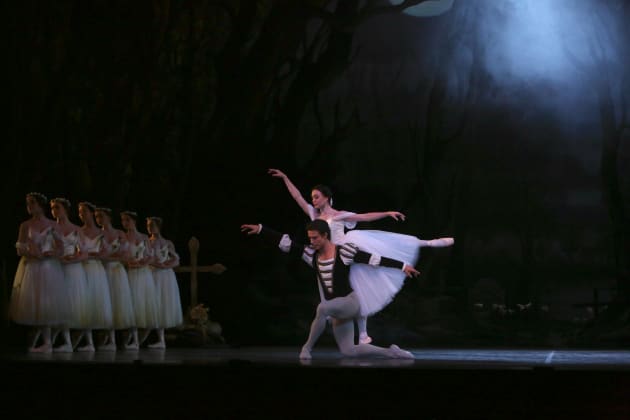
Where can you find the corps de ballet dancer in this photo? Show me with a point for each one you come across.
(37, 297)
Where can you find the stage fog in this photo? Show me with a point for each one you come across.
(501, 123)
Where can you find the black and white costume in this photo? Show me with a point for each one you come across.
(341, 302)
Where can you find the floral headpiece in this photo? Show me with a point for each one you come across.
(89, 205)
(63, 201)
(130, 213)
(105, 210)
(39, 196)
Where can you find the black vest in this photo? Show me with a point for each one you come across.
(340, 277)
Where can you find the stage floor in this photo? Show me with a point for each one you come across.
(261, 382)
(564, 359)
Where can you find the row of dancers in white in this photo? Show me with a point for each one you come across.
(373, 286)
(92, 277)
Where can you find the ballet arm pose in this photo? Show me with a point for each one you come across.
(350, 254)
(295, 193)
(146, 259)
(173, 260)
(79, 252)
(25, 246)
(348, 217)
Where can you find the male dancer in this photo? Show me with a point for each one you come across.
(332, 265)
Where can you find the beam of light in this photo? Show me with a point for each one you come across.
(428, 8)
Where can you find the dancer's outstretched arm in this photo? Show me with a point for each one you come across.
(351, 254)
(284, 242)
(295, 193)
(369, 217)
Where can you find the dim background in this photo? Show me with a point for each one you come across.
(504, 124)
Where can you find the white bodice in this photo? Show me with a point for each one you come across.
(70, 243)
(163, 253)
(139, 250)
(92, 244)
(115, 245)
(44, 240)
(336, 223)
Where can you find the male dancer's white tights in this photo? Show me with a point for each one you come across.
(344, 310)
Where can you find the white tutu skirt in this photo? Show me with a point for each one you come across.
(144, 297)
(169, 303)
(122, 303)
(78, 296)
(100, 299)
(38, 295)
(376, 287)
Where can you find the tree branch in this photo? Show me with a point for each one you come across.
(369, 11)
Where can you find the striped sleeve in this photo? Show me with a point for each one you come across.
(351, 254)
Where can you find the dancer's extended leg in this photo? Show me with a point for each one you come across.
(437, 243)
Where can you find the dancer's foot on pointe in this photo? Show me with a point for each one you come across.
(107, 347)
(305, 354)
(159, 345)
(398, 353)
(440, 242)
(364, 338)
(64, 348)
(87, 348)
(44, 348)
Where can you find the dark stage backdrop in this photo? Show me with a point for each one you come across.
(501, 123)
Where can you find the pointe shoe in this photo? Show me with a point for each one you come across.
(441, 242)
(87, 348)
(305, 354)
(44, 348)
(65, 348)
(365, 339)
(399, 353)
(107, 347)
(132, 346)
(159, 345)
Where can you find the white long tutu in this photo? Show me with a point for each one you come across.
(37, 297)
(169, 303)
(98, 291)
(122, 303)
(144, 296)
(78, 295)
(376, 287)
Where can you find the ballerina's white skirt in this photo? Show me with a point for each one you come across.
(169, 302)
(377, 286)
(100, 302)
(144, 296)
(78, 296)
(122, 303)
(38, 295)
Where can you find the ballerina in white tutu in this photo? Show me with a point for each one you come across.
(374, 286)
(165, 259)
(76, 292)
(143, 292)
(98, 287)
(115, 242)
(37, 295)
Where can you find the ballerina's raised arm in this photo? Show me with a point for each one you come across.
(341, 215)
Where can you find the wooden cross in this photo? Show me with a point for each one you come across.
(193, 269)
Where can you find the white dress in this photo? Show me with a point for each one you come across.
(37, 298)
(78, 297)
(143, 292)
(375, 287)
(98, 287)
(122, 306)
(169, 303)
